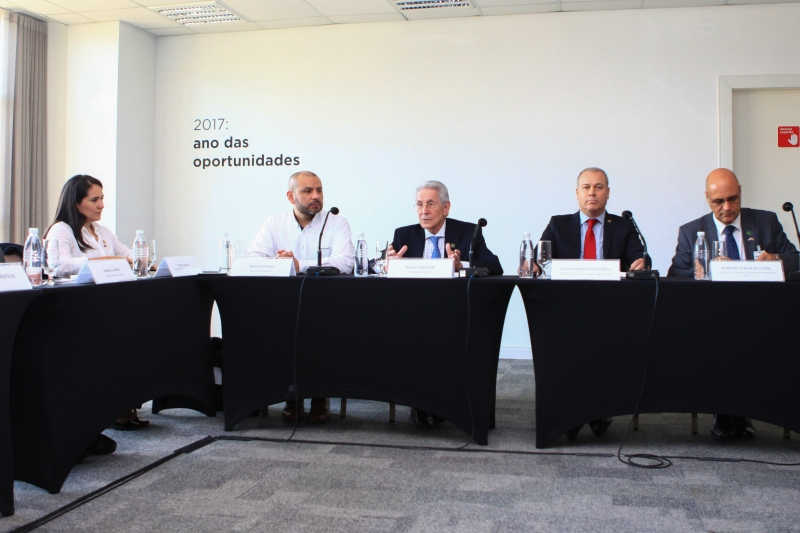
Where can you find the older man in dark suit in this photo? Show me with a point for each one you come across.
(745, 231)
(748, 233)
(431, 239)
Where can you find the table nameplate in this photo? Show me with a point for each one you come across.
(420, 268)
(578, 269)
(13, 278)
(105, 271)
(746, 270)
(175, 267)
(262, 267)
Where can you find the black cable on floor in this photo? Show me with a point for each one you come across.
(30, 526)
(656, 461)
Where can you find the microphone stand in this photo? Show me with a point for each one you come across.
(320, 270)
(473, 271)
(793, 276)
(647, 273)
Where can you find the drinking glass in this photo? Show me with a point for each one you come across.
(544, 258)
(380, 257)
(718, 251)
(152, 259)
(52, 260)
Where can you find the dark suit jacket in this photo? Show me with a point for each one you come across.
(759, 228)
(620, 240)
(455, 231)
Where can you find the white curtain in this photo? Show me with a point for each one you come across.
(8, 54)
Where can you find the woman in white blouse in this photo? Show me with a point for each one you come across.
(81, 239)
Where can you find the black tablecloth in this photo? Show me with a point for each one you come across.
(12, 306)
(392, 340)
(103, 349)
(716, 348)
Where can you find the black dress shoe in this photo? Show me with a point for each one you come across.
(422, 419)
(101, 446)
(743, 427)
(600, 426)
(572, 434)
(722, 428)
(293, 411)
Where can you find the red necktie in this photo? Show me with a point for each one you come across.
(589, 242)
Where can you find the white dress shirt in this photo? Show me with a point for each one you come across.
(283, 232)
(72, 258)
(598, 232)
(737, 235)
(429, 243)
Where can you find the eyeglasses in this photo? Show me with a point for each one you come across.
(430, 205)
(720, 201)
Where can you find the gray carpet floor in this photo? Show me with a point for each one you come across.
(265, 486)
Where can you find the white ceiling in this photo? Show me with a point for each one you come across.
(272, 14)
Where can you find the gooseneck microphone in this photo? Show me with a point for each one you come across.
(320, 270)
(789, 208)
(473, 271)
(647, 273)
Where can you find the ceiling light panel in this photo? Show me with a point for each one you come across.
(197, 13)
(408, 5)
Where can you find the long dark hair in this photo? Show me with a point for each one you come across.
(75, 190)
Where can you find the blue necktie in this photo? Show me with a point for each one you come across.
(730, 243)
(436, 254)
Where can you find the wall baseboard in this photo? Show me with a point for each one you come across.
(515, 352)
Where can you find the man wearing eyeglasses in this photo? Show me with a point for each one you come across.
(432, 239)
(745, 231)
(439, 237)
(748, 233)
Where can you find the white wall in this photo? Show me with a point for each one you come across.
(504, 110)
(56, 112)
(135, 132)
(91, 117)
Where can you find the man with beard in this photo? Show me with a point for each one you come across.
(295, 235)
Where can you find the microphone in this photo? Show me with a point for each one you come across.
(320, 270)
(472, 271)
(647, 273)
(789, 208)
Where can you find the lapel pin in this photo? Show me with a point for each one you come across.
(749, 233)
(609, 221)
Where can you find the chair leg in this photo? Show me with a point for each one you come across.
(694, 423)
(636, 422)
(343, 408)
(391, 412)
(786, 433)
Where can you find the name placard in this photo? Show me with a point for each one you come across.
(105, 271)
(420, 268)
(262, 266)
(13, 278)
(175, 267)
(578, 269)
(746, 270)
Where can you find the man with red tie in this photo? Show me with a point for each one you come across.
(592, 233)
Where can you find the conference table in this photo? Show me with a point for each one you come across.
(86, 354)
(715, 347)
(13, 305)
(431, 344)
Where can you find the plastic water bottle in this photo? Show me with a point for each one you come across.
(526, 259)
(701, 256)
(141, 255)
(361, 256)
(226, 251)
(33, 257)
